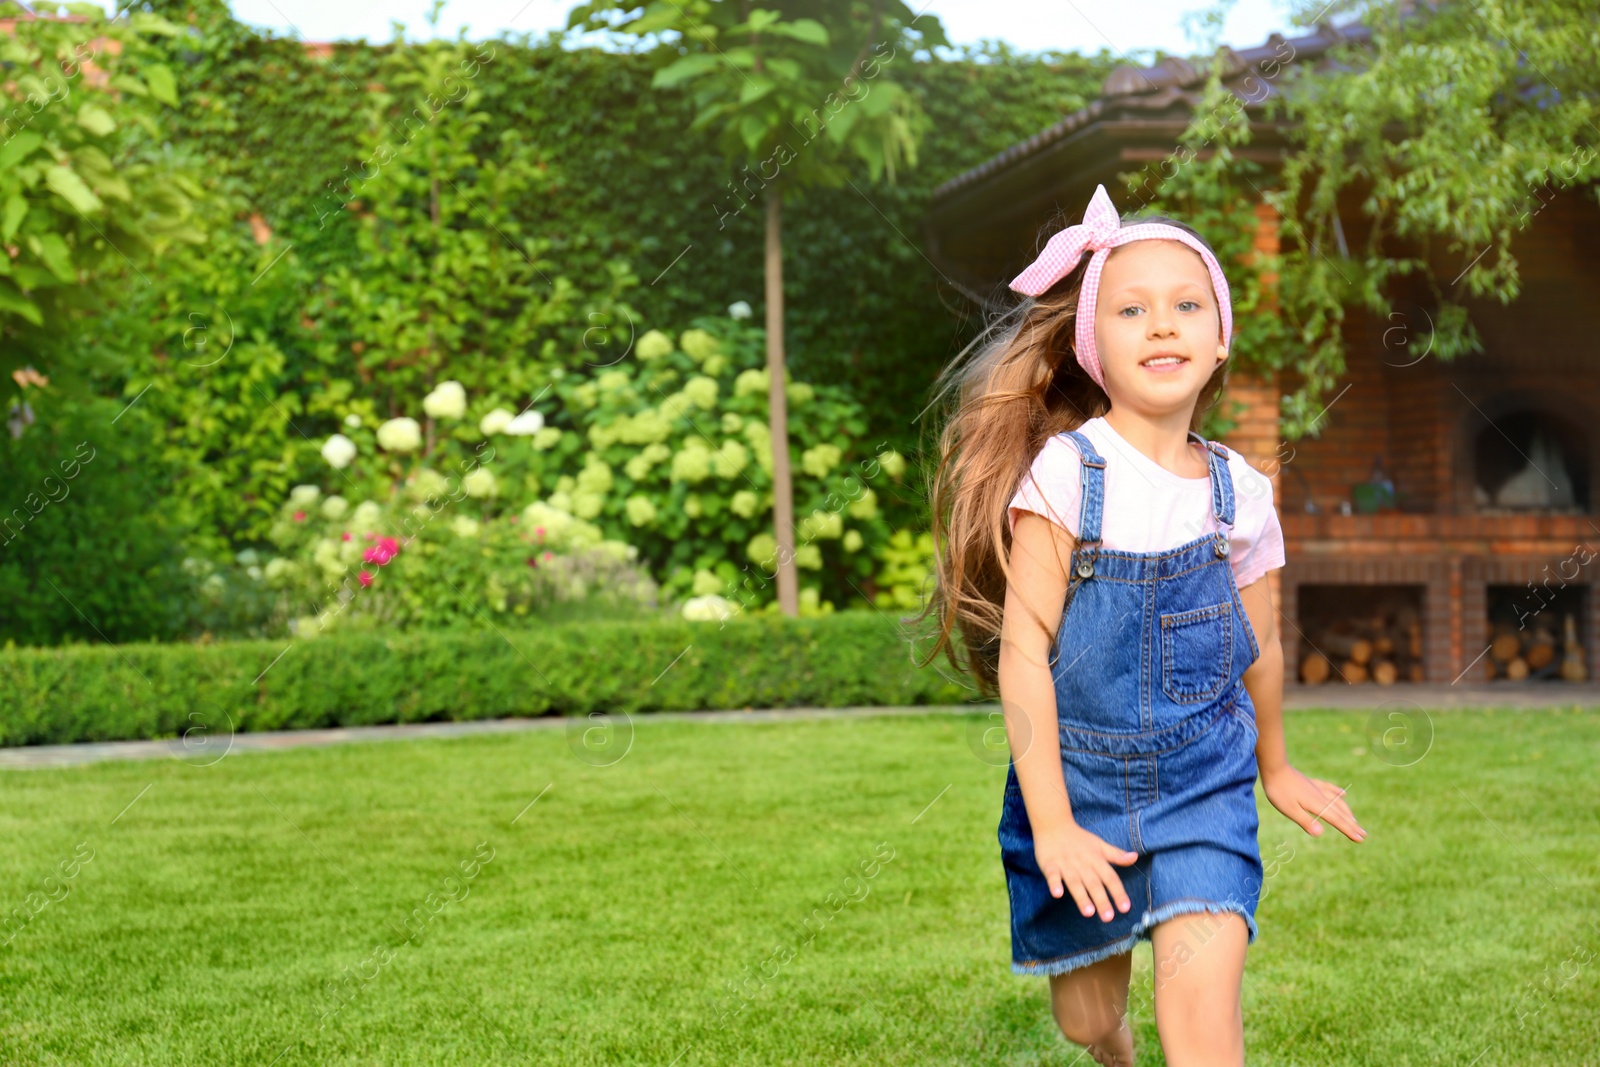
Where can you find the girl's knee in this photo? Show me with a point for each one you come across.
(1095, 1028)
(1090, 1004)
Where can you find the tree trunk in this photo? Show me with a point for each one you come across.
(778, 415)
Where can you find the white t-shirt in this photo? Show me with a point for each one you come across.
(1147, 508)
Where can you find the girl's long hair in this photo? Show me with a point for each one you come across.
(1013, 388)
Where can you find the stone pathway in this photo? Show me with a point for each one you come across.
(1358, 698)
(30, 756)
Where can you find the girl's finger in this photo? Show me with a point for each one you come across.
(1102, 904)
(1057, 885)
(1080, 896)
(1346, 824)
(1118, 855)
(1114, 890)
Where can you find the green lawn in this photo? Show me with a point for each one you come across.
(255, 911)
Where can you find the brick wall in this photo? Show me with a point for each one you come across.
(1421, 416)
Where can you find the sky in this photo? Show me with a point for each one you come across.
(1127, 27)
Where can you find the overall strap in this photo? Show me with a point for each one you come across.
(1221, 488)
(1094, 488)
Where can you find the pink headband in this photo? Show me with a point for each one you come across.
(1100, 232)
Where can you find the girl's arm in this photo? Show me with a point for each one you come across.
(1040, 552)
(1071, 858)
(1304, 800)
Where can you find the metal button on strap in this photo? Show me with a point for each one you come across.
(1222, 546)
(1085, 568)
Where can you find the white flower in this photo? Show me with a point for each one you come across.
(339, 450)
(400, 435)
(641, 511)
(480, 483)
(334, 507)
(365, 517)
(738, 310)
(654, 345)
(303, 496)
(447, 401)
(526, 424)
(465, 526)
(353, 421)
(710, 608)
(495, 422)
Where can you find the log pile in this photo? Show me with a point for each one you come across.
(1384, 647)
(1533, 651)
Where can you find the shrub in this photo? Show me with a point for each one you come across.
(96, 693)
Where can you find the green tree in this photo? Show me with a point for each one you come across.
(88, 191)
(794, 91)
(1453, 126)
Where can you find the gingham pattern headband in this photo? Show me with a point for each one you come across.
(1100, 232)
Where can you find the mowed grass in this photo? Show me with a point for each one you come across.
(650, 911)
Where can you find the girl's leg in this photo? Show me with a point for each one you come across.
(1091, 1007)
(1199, 972)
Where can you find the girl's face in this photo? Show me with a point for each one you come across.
(1157, 326)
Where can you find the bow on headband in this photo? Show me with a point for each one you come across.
(1100, 232)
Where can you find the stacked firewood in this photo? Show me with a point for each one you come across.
(1533, 651)
(1384, 647)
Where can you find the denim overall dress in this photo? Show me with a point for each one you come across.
(1157, 733)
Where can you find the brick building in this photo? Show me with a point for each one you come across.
(1490, 522)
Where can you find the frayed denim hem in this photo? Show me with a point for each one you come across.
(1063, 964)
(1080, 959)
(1187, 907)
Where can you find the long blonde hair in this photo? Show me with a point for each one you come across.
(1013, 388)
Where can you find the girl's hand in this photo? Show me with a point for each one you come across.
(1304, 800)
(1074, 860)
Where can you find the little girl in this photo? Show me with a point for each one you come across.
(1073, 489)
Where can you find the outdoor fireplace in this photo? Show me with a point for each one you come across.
(1530, 460)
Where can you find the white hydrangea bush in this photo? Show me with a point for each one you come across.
(643, 483)
(671, 451)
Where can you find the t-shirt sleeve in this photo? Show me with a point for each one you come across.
(1053, 487)
(1258, 520)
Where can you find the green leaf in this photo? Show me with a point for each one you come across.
(65, 183)
(786, 69)
(162, 84)
(809, 31)
(54, 252)
(761, 18)
(752, 130)
(13, 301)
(144, 22)
(96, 120)
(755, 87)
(656, 17)
(691, 66)
(129, 84)
(19, 148)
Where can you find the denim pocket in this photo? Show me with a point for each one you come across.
(1196, 653)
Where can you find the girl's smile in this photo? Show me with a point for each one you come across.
(1164, 363)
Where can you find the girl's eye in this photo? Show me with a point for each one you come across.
(1195, 303)
(1127, 309)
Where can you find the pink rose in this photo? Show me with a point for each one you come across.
(365, 577)
(382, 552)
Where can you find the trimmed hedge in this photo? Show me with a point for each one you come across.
(101, 693)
